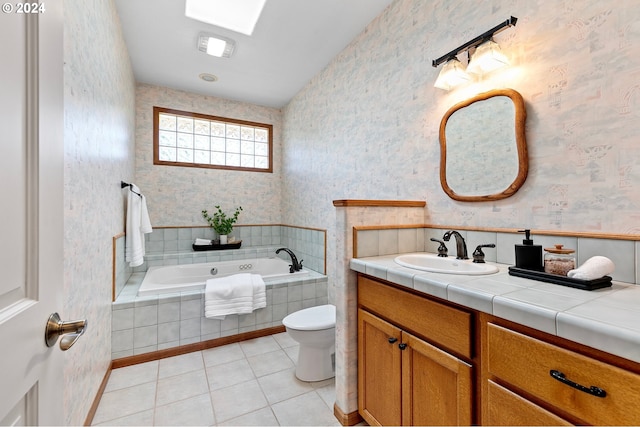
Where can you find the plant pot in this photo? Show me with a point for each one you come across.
(223, 239)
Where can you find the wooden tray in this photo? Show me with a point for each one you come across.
(587, 285)
(217, 247)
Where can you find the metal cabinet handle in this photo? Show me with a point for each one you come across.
(593, 390)
(402, 346)
(70, 331)
(392, 340)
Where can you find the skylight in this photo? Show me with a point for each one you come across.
(239, 16)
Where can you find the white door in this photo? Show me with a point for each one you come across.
(31, 212)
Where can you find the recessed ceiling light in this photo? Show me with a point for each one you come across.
(209, 78)
(216, 45)
(235, 15)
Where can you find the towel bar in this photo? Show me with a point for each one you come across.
(124, 184)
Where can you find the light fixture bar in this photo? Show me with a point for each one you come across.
(477, 41)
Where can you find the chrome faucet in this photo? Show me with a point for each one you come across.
(461, 246)
(295, 265)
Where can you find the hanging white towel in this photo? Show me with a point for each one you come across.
(138, 225)
(593, 268)
(237, 294)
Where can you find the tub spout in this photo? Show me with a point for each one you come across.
(295, 265)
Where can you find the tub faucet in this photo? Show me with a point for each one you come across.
(461, 246)
(295, 265)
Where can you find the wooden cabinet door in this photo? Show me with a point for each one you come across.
(505, 408)
(379, 371)
(436, 386)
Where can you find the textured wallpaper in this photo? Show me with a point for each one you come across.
(99, 102)
(366, 127)
(177, 195)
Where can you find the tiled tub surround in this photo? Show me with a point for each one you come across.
(172, 246)
(146, 324)
(171, 243)
(121, 269)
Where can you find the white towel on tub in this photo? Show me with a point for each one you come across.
(237, 294)
(138, 225)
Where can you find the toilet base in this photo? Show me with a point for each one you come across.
(315, 364)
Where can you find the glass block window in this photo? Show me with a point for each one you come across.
(181, 138)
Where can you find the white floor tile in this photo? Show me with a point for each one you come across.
(144, 418)
(181, 387)
(195, 411)
(180, 364)
(259, 346)
(283, 385)
(285, 340)
(221, 376)
(223, 354)
(132, 375)
(315, 413)
(239, 399)
(228, 385)
(261, 417)
(328, 395)
(126, 401)
(268, 363)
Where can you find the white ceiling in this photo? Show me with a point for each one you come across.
(292, 41)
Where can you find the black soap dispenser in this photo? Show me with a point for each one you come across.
(528, 255)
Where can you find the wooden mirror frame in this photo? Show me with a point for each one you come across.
(521, 144)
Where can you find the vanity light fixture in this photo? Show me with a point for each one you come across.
(215, 45)
(487, 57)
(452, 74)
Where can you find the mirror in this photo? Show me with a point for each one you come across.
(483, 151)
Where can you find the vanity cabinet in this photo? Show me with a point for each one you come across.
(529, 381)
(405, 375)
(424, 361)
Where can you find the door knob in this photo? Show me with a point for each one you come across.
(70, 331)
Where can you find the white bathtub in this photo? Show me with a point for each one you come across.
(188, 277)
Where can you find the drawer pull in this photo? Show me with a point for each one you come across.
(392, 340)
(596, 391)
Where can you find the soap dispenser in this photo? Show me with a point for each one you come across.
(528, 255)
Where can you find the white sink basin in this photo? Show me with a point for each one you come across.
(448, 265)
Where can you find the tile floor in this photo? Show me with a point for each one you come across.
(246, 383)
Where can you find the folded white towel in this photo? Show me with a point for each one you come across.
(237, 294)
(138, 225)
(202, 242)
(593, 268)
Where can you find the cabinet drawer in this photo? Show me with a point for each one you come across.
(505, 408)
(444, 325)
(526, 363)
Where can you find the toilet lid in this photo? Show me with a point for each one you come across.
(312, 318)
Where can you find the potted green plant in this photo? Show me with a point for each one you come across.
(221, 223)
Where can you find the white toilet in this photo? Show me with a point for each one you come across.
(314, 328)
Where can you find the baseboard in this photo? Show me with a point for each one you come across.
(350, 419)
(96, 401)
(189, 348)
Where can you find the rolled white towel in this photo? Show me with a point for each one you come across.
(593, 268)
(202, 242)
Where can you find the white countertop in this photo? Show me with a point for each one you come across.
(607, 319)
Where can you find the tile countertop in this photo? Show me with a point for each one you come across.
(607, 319)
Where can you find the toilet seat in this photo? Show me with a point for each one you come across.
(312, 318)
